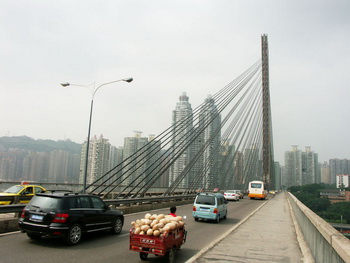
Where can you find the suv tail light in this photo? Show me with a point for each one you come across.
(215, 210)
(60, 218)
(194, 208)
(23, 215)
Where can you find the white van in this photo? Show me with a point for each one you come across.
(211, 206)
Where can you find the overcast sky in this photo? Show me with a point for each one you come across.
(169, 47)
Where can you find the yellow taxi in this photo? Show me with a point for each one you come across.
(20, 194)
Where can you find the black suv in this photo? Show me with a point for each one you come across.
(68, 215)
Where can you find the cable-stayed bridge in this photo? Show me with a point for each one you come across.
(223, 143)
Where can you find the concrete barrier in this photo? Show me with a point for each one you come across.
(325, 242)
(8, 222)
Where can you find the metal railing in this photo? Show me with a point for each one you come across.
(117, 202)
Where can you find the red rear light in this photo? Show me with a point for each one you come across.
(23, 214)
(194, 208)
(215, 210)
(60, 218)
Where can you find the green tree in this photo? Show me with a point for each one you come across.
(318, 204)
(338, 210)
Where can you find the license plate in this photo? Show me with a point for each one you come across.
(38, 218)
(204, 209)
(148, 241)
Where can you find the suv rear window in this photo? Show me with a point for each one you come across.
(45, 202)
(205, 200)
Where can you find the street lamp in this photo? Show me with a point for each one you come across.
(93, 92)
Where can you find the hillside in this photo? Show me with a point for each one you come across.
(29, 144)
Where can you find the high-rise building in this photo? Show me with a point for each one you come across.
(115, 162)
(338, 166)
(98, 159)
(301, 168)
(227, 176)
(182, 121)
(210, 121)
(309, 167)
(134, 164)
(252, 163)
(278, 180)
(293, 167)
(153, 166)
(325, 173)
(164, 178)
(238, 165)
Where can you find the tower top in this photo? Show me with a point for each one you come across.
(184, 97)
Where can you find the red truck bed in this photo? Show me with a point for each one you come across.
(157, 245)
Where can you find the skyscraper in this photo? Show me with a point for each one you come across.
(293, 171)
(135, 166)
(338, 166)
(116, 159)
(210, 120)
(252, 163)
(98, 163)
(182, 121)
(309, 167)
(301, 168)
(325, 173)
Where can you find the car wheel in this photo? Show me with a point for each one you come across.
(217, 220)
(143, 256)
(74, 235)
(33, 236)
(171, 255)
(195, 219)
(117, 226)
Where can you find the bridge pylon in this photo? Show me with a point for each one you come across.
(268, 160)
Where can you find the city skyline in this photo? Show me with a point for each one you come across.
(302, 165)
(170, 47)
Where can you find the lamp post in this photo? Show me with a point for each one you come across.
(93, 92)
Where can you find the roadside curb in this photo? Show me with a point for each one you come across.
(211, 245)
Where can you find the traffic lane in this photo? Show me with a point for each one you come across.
(109, 248)
(200, 234)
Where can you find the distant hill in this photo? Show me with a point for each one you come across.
(29, 144)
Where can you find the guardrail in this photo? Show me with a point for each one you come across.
(325, 242)
(117, 202)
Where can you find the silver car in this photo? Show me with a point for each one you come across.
(231, 195)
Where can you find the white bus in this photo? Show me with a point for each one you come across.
(256, 190)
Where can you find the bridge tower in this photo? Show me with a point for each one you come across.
(268, 160)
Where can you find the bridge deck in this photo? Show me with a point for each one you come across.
(268, 235)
